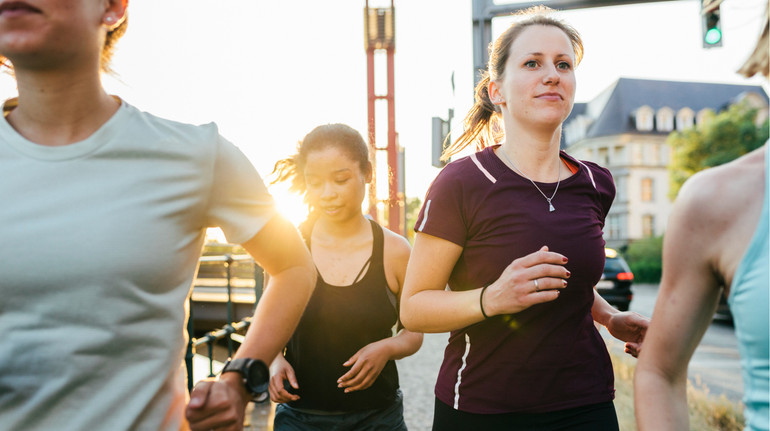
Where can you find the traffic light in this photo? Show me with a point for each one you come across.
(712, 28)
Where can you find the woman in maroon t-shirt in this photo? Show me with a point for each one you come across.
(515, 231)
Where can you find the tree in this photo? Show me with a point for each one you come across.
(719, 139)
(644, 256)
(413, 206)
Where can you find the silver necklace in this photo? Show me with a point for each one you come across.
(550, 205)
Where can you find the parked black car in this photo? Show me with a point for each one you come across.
(615, 285)
(723, 312)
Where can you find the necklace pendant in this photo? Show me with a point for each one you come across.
(550, 207)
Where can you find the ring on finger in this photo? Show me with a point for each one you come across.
(537, 287)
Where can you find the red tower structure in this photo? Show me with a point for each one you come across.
(379, 34)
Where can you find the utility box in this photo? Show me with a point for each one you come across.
(438, 137)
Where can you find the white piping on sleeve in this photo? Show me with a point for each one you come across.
(482, 169)
(460, 371)
(424, 216)
(590, 174)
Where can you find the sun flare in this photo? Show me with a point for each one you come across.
(290, 205)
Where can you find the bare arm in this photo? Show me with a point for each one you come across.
(687, 299)
(427, 307)
(278, 248)
(368, 362)
(626, 326)
(406, 342)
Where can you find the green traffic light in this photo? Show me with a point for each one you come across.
(713, 36)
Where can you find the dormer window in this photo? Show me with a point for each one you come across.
(685, 119)
(644, 118)
(664, 119)
(703, 115)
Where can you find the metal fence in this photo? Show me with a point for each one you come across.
(232, 282)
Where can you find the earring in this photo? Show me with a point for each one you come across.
(109, 19)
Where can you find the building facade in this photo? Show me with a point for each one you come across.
(625, 129)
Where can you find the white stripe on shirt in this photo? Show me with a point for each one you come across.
(424, 216)
(482, 169)
(591, 175)
(460, 371)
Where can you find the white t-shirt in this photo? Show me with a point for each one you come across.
(99, 241)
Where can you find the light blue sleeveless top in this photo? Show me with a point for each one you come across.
(749, 301)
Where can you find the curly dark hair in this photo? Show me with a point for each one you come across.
(336, 135)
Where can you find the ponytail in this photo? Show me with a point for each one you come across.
(481, 123)
(288, 170)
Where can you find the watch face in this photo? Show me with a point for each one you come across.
(258, 379)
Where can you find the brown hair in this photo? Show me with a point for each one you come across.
(758, 61)
(337, 135)
(482, 122)
(107, 50)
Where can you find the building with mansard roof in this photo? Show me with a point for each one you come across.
(625, 129)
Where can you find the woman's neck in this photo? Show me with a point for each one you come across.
(534, 151)
(56, 109)
(342, 230)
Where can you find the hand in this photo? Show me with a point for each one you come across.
(630, 327)
(280, 372)
(366, 365)
(217, 404)
(529, 280)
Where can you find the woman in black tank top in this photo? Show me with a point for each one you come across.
(339, 368)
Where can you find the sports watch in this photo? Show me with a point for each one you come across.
(255, 376)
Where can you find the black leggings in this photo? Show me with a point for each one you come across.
(595, 417)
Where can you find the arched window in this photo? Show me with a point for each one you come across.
(664, 119)
(685, 119)
(644, 118)
(703, 115)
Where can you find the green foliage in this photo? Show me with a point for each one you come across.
(221, 249)
(645, 257)
(721, 138)
(413, 206)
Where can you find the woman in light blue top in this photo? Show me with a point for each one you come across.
(717, 239)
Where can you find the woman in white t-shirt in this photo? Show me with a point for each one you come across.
(106, 209)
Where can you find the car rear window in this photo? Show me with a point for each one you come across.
(614, 265)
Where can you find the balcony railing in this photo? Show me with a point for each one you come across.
(226, 291)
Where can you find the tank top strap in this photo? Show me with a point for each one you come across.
(377, 266)
(378, 244)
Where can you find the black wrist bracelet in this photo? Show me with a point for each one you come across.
(481, 302)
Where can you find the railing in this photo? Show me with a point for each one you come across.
(219, 281)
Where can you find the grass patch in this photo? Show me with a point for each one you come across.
(706, 412)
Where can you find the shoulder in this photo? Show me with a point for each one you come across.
(480, 166)
(599, 174)
(599, 177)
(715, 208)
(737, 184)
(467, 175)
(150, 125)
(396, 246)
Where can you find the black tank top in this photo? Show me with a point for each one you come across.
(337, 322)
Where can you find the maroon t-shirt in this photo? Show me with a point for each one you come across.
(550, 356)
